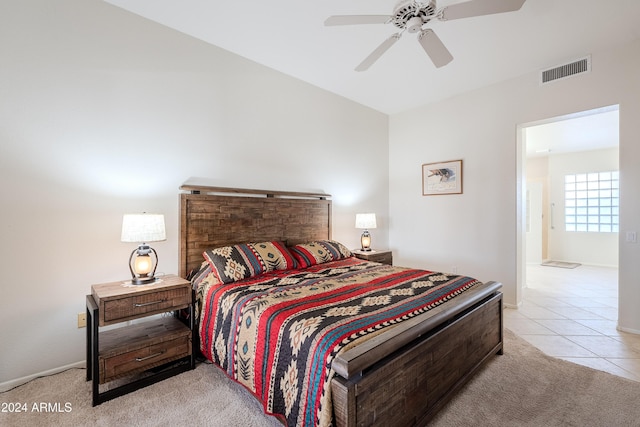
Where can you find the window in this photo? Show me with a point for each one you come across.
(591, 202)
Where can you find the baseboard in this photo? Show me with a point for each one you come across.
(8, 385)
(629, 330)
(534, 264)
(601, 265)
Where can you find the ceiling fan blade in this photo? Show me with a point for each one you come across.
(437, 51)
(377, 53)
(472, 8)
(356, 19)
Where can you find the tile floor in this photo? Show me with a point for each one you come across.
(571, 314)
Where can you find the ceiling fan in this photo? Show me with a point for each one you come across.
(413, 15)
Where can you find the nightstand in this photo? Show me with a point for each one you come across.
(383, 257)
(143, 352)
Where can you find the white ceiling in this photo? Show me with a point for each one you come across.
(290, 36)
(583, 131)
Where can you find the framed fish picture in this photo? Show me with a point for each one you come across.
(442, 178)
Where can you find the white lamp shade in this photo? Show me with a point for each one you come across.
(143, 228)
(366, 220)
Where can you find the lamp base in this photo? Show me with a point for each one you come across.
(365, 241)
(143, 280)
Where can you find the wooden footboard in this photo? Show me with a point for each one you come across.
(409, 373)
(401, 376)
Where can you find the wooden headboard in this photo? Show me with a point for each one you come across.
(211, 217)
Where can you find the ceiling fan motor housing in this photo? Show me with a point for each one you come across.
(412, 14)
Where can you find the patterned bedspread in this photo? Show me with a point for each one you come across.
(278, 333)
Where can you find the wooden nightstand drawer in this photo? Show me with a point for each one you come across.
(146, 351)
(136, 348)
(383, 257)
(119, 302)
(122, 309)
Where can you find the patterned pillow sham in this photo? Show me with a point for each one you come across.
(318, 252)
(237, 262)
(201, 282)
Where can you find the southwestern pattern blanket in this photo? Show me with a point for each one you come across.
(278, 333)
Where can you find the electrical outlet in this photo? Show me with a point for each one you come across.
(632, 237)
(82, 320)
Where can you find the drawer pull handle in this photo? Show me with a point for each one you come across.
(142, 359)
(149, 303)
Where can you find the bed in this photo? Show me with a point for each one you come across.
(397, 361)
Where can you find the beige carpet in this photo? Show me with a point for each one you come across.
(523, 387)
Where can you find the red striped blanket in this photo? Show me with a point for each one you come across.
(278, 333)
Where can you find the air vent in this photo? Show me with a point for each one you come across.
(564, 71)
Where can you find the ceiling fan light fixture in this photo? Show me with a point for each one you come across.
(413, 15)
(414, 24)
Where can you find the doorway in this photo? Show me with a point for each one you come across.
(546, 151)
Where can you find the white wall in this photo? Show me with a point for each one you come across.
(537, 180)
(586, 248)
(104, 113)
(472, 232)
(477, 231)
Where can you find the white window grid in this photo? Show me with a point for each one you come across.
(592, 202)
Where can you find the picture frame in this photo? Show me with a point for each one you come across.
(442, 178)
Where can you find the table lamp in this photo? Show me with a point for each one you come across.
(141, 229)
(365, 221)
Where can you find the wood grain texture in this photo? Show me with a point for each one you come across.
(210, 221)
(125, 351)
(353, 362)
(119, 303)
(383, 257)
(408, 387)
(401, 377)
(203, 189)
